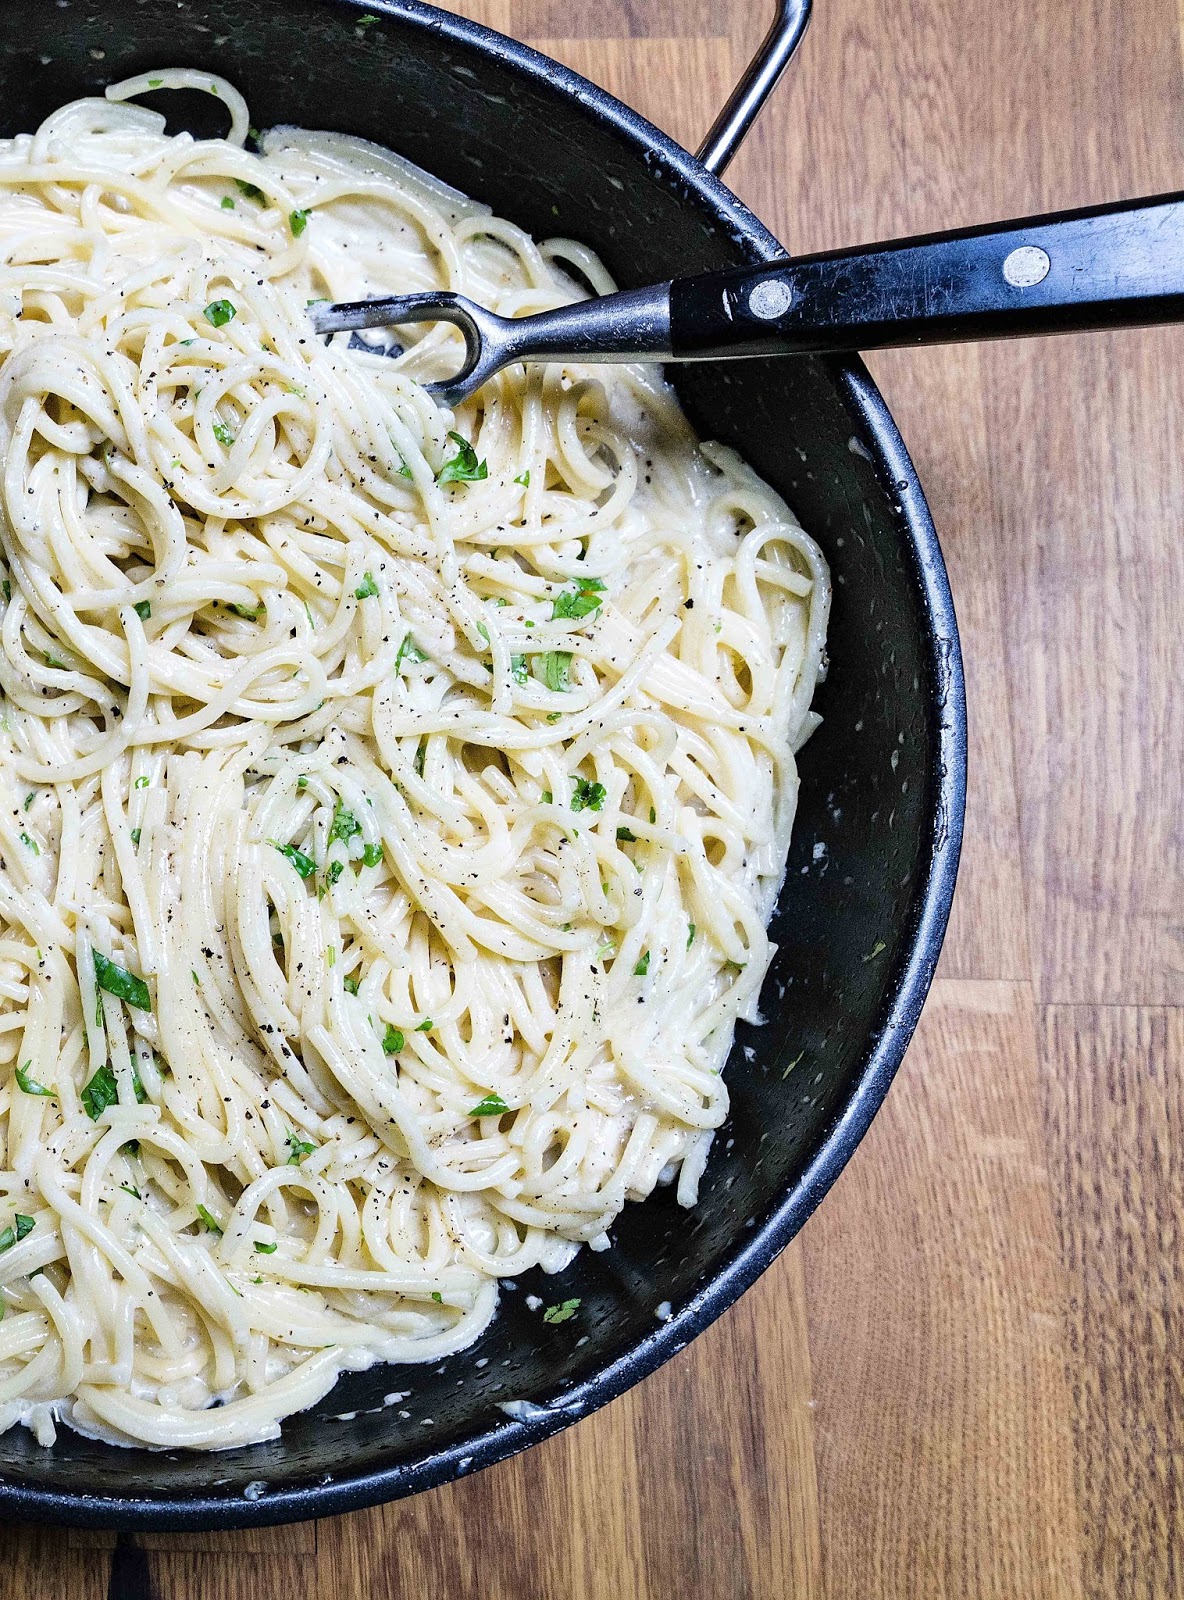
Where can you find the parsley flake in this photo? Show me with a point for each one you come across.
(563, 1312)
(298, 1148)
(30, 1085)
(16, 1231)
(124, 985)
(492, 1106)
(345, 824)
(408, 651)
(304, 865)
(464, 466)
(103, 1091)
(588, 796)
(556, 670)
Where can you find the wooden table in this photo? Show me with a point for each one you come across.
(964, 1378)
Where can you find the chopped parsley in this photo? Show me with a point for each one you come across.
(143, 609)
(30, 1085)
(626, 836)
(130, 1188)
(227, 203)
(372, 855)
(219, 312)
(577, 602)
(248, 613)
(492, 1106)
(408, 651)
(16, 1231)
(209, 1219)
(653, 815)
(464, 466)
(345, 824)
(297, 221)
(124, 985)
(518, 669)
(563, 1312)
(250, 191)
(103, 1091)
(588, 796)
(547, 797)
(304, 865)
(350, 985)
(223, 434)
(437, 1297)
(556, 670)
(366, 588)
(265, 1249)
(690, 934)
(298, 1148)
(425, 1026)
(28, 839)
(392, 1040)
(141, 782)
(332, 872)
(643, 966)
(524, 478)
(420, 752)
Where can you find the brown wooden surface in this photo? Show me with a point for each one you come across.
(964, 1379)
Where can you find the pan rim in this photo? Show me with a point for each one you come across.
(921, 938)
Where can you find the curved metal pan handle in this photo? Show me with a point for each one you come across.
(756, 85)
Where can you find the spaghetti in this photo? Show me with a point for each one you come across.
(391, 802)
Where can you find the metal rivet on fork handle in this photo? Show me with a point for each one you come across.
(771, 298)
(1027, 266)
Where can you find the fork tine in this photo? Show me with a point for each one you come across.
(345, 315)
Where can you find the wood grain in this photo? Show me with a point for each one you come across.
(965, 1378)
(1113, 1083)
(936, 1329)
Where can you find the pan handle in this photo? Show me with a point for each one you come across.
(759, 80)
(1109, 266)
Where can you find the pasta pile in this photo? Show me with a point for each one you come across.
(392, 802)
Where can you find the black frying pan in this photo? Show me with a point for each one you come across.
(861, 918)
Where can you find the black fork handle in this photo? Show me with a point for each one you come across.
(1102, 267)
